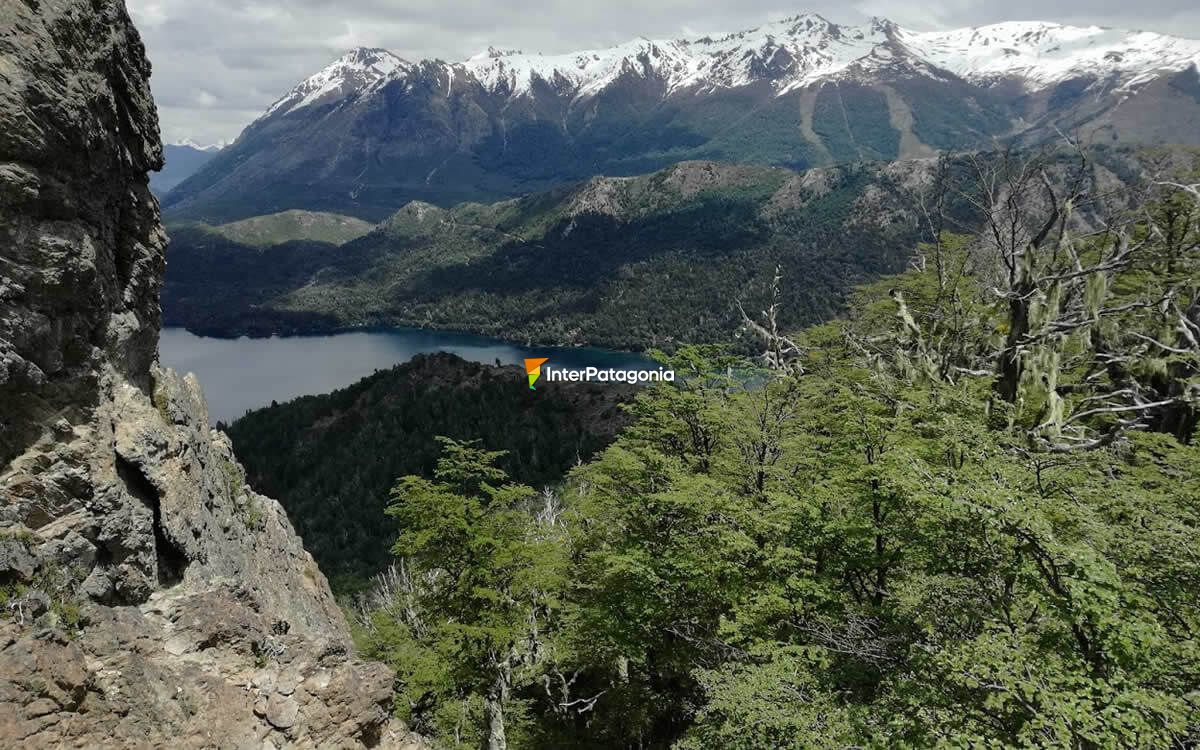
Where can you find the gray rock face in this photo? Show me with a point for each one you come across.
(148, 596)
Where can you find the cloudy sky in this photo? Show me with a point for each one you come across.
(219, 63)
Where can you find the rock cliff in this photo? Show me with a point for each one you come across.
(148, 596)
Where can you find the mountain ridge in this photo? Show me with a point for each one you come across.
(372, 131)
(180, 161)
(288, 447)
(827, 50)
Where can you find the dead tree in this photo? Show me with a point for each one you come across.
(929, 200)
(1091, 308)
(780, 353)
(1062, 248)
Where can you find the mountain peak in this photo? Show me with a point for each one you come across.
(366, 54)
(879, 23)
(368, 60)
(492, 53)
(803, 21)
(347, 75)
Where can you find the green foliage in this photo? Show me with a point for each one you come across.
(252, 514)
(477, 623)
(230, 268)
(285, 226)
(778, 700)
(19, 534)
(941, 120)
(859, 556)
(871, 550)
(902, 577)
(160, 400)
(234, 479)
(246, 504)
(60, 586)
(331, 459)
(652, 261)
(853, 123)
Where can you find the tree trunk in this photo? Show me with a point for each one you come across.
(493, 712)
(1181, 418)
(1008, 369)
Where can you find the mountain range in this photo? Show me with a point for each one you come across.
(373, 131)
(180, 161)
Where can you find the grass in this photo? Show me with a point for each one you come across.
(285, 226)
(233, 476)
(60, 585)
(253, 514)
(161, 401)
(21, 534)
(250, 511)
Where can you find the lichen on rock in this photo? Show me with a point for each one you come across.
(148, 596)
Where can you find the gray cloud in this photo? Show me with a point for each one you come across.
(218, 64)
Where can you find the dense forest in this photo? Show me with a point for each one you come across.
(653, 261)
(629, 263)
(965, 515)
(330, 459)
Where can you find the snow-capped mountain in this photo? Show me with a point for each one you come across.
(790, 54)
(349, 74)
(210, 148)
(1043, 54)
(181, 160)
(373, 130)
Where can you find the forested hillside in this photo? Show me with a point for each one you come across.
(966, 515)
(331, 458)
(631, 263)
(626, 263)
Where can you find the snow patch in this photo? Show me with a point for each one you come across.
(211, 148)
(350, 73)
(786, 55)
(1043, 54)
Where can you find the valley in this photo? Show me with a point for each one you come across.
(931, 298)
(630, 263)
(181, 161)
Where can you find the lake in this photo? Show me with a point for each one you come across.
(243, 374)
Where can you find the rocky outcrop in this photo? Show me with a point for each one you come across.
(148, 596)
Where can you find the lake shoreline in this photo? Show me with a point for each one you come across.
(319, 329)
(245, 373)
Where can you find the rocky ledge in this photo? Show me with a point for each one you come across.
(148, 596)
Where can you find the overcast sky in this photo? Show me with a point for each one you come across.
(219, 63)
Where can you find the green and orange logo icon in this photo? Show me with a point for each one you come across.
(533, 369)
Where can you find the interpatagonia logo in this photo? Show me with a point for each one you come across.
(533, 371)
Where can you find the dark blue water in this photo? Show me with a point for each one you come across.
(243, 374)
